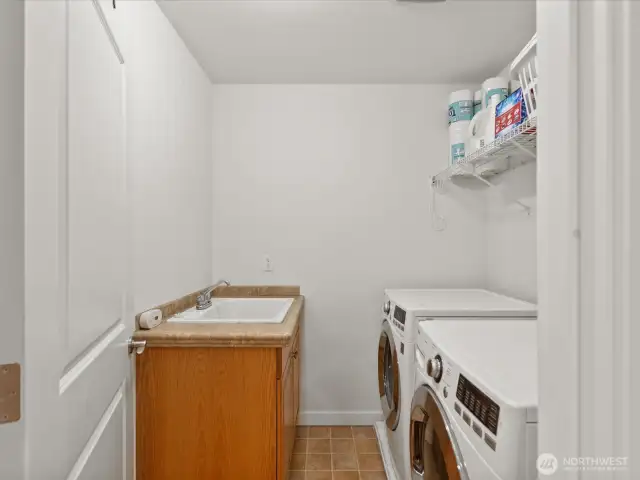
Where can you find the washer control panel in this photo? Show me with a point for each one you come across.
(479, 404)
(399, 317)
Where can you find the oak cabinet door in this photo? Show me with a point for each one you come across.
(296, 380)
(288, 418)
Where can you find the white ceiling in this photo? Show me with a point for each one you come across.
(352, 41)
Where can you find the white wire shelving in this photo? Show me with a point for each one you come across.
(494, 157)
(508, 152)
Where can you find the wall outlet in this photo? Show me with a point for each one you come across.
(267, 266)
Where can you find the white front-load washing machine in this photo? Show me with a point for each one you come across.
(403, 310)
(474, 407)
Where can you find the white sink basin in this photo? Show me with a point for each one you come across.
(238, 310)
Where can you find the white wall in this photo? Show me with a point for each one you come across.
(511, 234)
(169, 148)
(332, 183)
(11, 215)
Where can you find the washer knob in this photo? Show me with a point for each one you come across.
(387, 307)
(434, 368)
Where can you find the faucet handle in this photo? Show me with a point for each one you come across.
(203, 299)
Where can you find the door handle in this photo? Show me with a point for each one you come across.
(136, 345)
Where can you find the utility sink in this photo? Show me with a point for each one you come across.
(238, 310)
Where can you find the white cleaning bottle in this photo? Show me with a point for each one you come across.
(490, 126)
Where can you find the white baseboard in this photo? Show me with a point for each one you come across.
(339, 418)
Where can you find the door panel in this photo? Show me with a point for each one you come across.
(96, 232)
(103, 456)
(96, 188)
(87, 398)
(77, 368)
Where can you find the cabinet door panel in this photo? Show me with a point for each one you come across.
(287, 418)
(296, 380)
(206, 413)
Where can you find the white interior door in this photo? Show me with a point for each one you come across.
(78, 402)
(588, 237)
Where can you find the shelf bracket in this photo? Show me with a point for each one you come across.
(437, 184)
(526, 208)
(482, 179)
(523, 149)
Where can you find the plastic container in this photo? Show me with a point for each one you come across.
(494, 87)
(477, 102)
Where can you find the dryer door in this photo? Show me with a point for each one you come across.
(435, 454)
(389, 377)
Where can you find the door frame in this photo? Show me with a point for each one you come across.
(12, 219)
(586, 227)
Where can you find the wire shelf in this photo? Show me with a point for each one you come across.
(521, 140)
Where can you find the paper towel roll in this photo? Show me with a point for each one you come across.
(458, 133)
(460, 106)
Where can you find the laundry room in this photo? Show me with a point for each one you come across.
(349, 188)
(318, 239)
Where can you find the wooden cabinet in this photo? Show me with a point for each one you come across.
(288, 394)
(223, 413)
(296, 383)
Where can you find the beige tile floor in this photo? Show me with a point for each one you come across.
(336, 453)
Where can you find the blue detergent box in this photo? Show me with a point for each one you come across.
(510, 113)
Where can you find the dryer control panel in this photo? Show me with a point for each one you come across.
(479, 404)
(399, 317)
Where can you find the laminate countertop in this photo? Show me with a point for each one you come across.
(169, 334)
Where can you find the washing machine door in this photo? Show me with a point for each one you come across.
(435, 454)
(389, 377)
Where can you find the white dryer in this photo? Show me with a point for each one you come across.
(403, 310)
(474, 408)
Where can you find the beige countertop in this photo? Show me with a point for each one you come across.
(170, 334)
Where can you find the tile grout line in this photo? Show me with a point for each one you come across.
(355, 447)
(331, 452)
(306, 454)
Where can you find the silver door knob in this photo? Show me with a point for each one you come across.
(387, 307)
(434, 368)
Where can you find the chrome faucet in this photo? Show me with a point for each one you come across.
(204, 298)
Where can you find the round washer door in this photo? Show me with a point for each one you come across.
(435, 454)
(389, 377)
